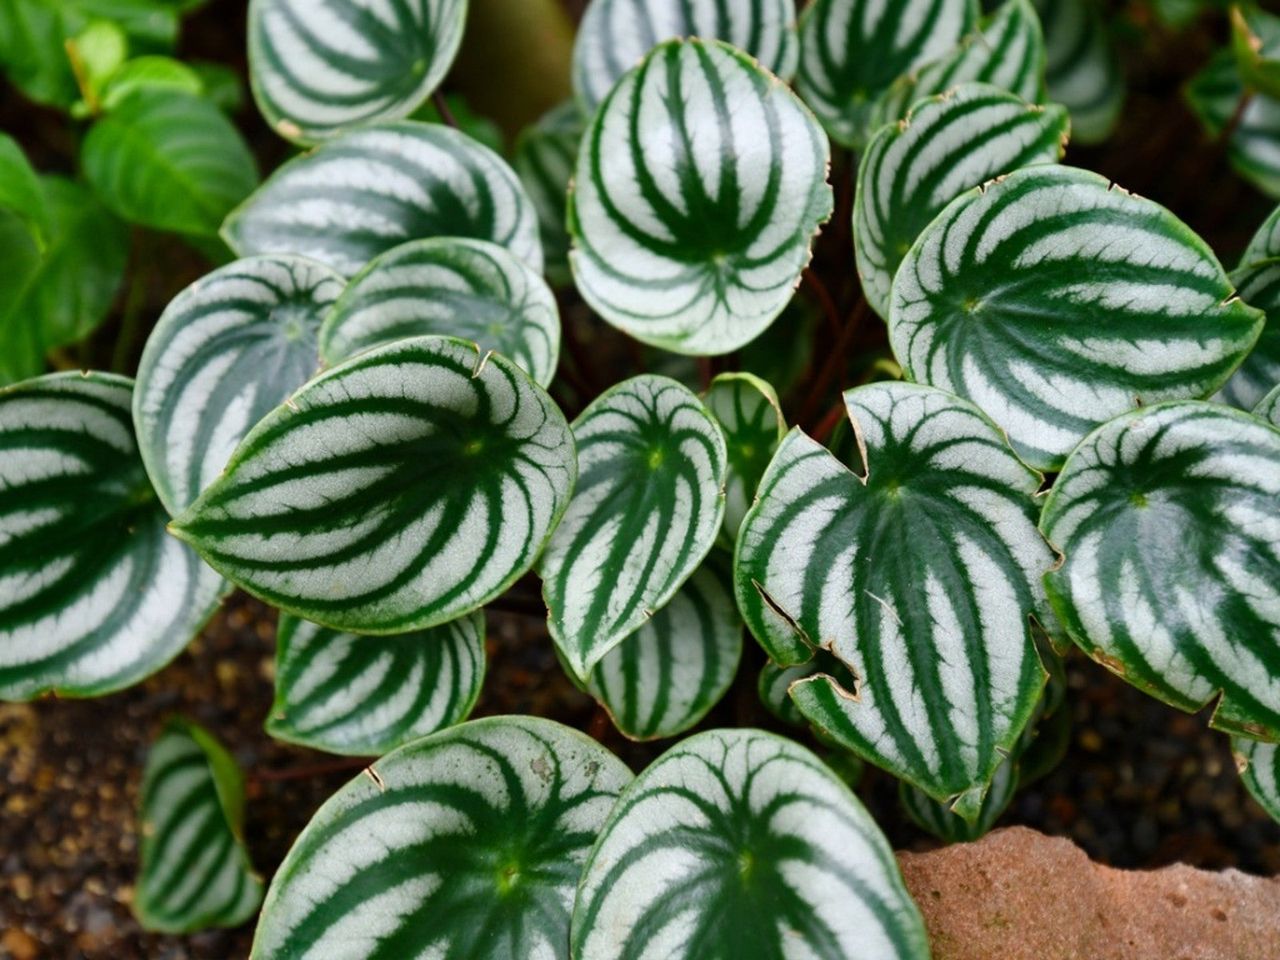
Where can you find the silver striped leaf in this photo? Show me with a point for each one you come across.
(1269, 407)
(851, 52)
(396, 491)
(1265, 243)
(366, 191)
(736, 845)
(225, 352)
(319, 68)
(1007, 51)
(615, 35)
(666, 676)
(196, 872)
(344, 693)
(1167, 519)
(748, 412)
(918, 573)
(1082, 66)
(1259, 286)
(94, 596)
(775, 682)
(947, 144)
(465, 845)
(471, 289)
(1000, 297)
(647, 508)
(544, 160)
(938, 820)
(1260, 770)
(1254, 145)
(699, 188)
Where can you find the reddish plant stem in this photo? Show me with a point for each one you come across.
(833, 366)
(442, 108)
(827, 425)
(825, 302)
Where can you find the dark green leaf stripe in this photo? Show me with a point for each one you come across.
(226, 351)
(1259, 286)
(545, 156)
(93, 595)
(462, 288)
(919, 575)
(364, 192)
(851, 51)
(737, 845)
(196, 872)
(946, 145)
(1269, 407)
(1265, 243)
(616, 34)
(465, 845)
(317, 68)
(399, 490)
(1167, 519)
(699, 188)
(1007, 51)
(663, 679)
(1082, 68)
(999, 300)
(774, 684)
(647, 508)
(748, 412)
(937, 819)
(366, 695)
(1254, 148)
(1260, 770)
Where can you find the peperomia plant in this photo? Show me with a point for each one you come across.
(791, 319)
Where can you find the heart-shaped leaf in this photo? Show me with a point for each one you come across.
(1167, 520)
(919, 575)
(468, 843)
(366, 695)
(545, 156)
(851, 51)
(226, 351)
(748, 412)
(399, 490)
(937, 819)
(647, 508)
(946, 145)
(1260, 770)
(736, 845)
(1082, 66)
(1259, 286)
(999, 301)
(317, 69)
(462, 288)
(196, 872)
(366, 191)
(1269, 407)
(699, 188)
(1215, 94)
(94, 595)
(615, 35)
(663, 679)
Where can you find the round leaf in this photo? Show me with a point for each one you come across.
(699, 188)
(364, 192)
(736, 845)
(748, 412)
(1254, 146)
(1260, 770)
(1259, 286)
(94, 595)
(1167, 520)
(1082, 66)
(545, 155)
(463, 288)
(399, 490)
(647, 508)
(317, 69)
(1001, 297)
(468, 843)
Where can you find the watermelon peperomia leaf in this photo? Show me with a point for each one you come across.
(1083, 71)
(1268, 407)
(544, 159)
(1260, 769)
(937, 819)
(750, 415)
(1259, 286)
(1255, 41)
(1215, 94)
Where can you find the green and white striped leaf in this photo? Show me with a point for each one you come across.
(1269, 407)
(1254, 147)
(947, 144)
(1260, 770)
(851, 52)
(94, 596)
(196, 872)
(366, 191)
(471, 289)
(748, 412)
(699, 188)
(937, 819)
(227, 350)
(1082, 66)
(350, 694)
(465, 845)
(919, 574)
(736, 845)
(399, 490)
(663, 679)
(545, 156)
(774, 684)
(1001, 296)
(1007, 51)
(615, 35)
(1167, 520)
(1259, 286)
(1265, 243)
(646, 510)
(320, 68)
